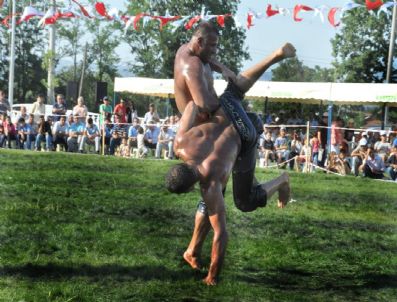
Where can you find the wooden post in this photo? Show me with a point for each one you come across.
(307, 147)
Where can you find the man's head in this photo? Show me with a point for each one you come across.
(62, 120)
(80, 101)
(152, 108)
(204, 43)
(106, 100)
(60, 98)
(40, 98)
(181, 178)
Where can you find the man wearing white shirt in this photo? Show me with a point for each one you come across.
(166, 141)
(60, 133)
(151, 115)
(91, 136)
(373, 165)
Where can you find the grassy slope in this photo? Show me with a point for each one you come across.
(88, 228)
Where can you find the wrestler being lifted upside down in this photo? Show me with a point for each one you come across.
(217, 137)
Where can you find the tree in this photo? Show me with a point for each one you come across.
(361, 47)
(154, 49)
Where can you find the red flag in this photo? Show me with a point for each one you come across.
(298, 8)
(373, 4)
(165, 20)
(83, 10)
(192, 21)
(331, 16)
(136, 20)
(271, 12)
(5, 21)
(221, 19)
(101, 9)
(250, 20)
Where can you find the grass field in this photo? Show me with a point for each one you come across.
(90, 228)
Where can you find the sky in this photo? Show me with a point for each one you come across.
(310, 37)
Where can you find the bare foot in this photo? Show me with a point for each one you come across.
(284, 193)
(194, 262)
(209, 281)
(287, 51)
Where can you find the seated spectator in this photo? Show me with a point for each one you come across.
(302, 157)
(151, 135)
(118, 132)
(142, 149)
(266, 149)
(23, 114)
(382, 147)
(60, 133)
(281, 146)
(38, 108)
(133, 132)
(392, 164)
(44, 134)
(121, 111)
(295, 148)
(165, 140)
(358, 155)
(336, 163)
(23, 137)
(91, 136)
(10, 132)
(75, 133)
(125, 149)
(174, 123)
(373, 165)
(3, 117)
(108, 134)
(32, 132)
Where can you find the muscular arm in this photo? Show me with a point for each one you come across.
(198, 85)
(213, 198)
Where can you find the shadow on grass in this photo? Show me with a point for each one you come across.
(56, 271)
(296, 279)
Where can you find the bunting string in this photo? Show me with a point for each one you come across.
(99, 11)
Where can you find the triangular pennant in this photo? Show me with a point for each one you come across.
(192, 21)
(101, 10)
(331, 16)
(221, 19)
(271, 12)
(83, 10)
(373, 4)
(298, 8)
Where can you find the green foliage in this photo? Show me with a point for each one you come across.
(361, 47)
(154, 49)
(89, 228)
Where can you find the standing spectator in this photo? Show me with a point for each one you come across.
(120, 111)
(315, 148)
(60, 134)
(165, 140)
(151, 135)
(91, 136)
(38, 108)
(151, 115)
(281, 146)
(80, 110)
(373, 165)
(383, 147)
(23, 134)
(131, 112)
(4, 105)
(336, 135)
(295, 149)
(105, 110)
(392, 164)
(59, 108)
(44, 133)
(10, 132)
(322, 136)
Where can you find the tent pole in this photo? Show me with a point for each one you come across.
(385, 116)
(330, 108)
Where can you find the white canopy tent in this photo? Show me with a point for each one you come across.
(298, 92)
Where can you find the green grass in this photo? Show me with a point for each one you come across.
(89, 228)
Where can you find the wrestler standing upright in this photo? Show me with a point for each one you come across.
(217, 136)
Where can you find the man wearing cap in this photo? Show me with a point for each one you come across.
(359, 154)
(120, 111)
(105, 110)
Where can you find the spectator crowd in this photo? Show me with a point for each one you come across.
(122, 133)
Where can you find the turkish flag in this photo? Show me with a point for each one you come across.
(373, 4)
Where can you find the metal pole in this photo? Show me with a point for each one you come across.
(83, 70)
(12, 57)
(51, 63)
(392, 43)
